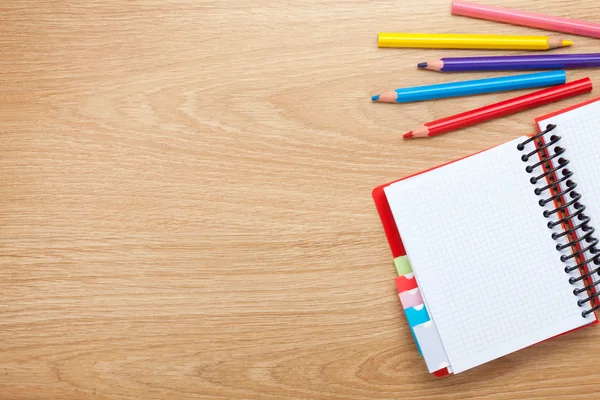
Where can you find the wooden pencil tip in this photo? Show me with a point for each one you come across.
(375, 98)
(387, 97)
(408, 135)
(554, 43)
(433, 65)
(420, 132)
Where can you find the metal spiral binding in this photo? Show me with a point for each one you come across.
(576, 229)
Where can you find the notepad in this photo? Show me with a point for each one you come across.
(483, 249)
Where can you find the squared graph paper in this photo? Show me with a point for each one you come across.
(579, 130)
(488, 269)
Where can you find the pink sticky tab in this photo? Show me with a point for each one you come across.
(411, 298)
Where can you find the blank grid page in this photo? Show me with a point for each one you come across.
(483, 257)
(580, 133)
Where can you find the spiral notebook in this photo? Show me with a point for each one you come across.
(475, 231)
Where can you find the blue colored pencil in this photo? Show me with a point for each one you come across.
(471, 87)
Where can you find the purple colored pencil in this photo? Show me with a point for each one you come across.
(513, 63)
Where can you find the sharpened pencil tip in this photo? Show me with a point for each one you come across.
(375, 98)
(422, 65)
(567, 43)
(408, 135)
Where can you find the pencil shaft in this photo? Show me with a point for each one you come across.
(468, 41)
(525, 18)
(520, 63)
(472, 87)
(506, 107)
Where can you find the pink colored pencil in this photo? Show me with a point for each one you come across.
(526, 18)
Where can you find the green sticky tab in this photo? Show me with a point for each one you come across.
(402, 265)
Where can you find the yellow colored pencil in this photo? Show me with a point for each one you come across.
(468, 41)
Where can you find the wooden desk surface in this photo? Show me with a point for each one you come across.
(185, 205)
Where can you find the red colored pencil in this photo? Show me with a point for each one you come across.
(506, 107)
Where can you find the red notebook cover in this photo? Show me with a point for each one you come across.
(393, 235)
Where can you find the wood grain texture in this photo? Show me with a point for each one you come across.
(185, 207)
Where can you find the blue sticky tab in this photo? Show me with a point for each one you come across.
(416, 316)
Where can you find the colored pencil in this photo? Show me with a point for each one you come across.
(513, 63)
(501, 109)
(468, 41)
(526, 18)
(471, 87)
